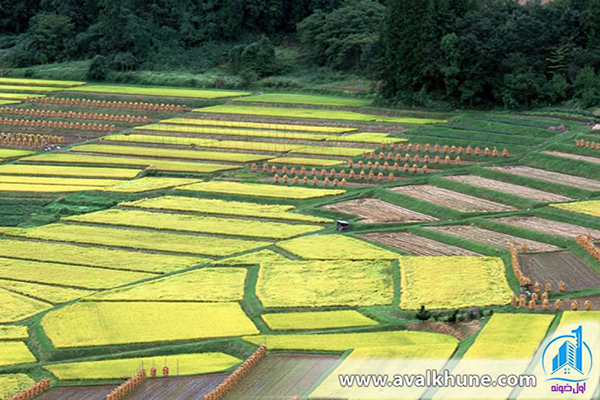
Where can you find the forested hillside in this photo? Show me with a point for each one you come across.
(416, 52)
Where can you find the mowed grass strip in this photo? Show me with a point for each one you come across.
(305, 161)
(206, 284)
(325, 283)
(335, 247)
(14, 383)
(288, 98)
(110, 323)
(509, 336)
(14, 353)
(160, 91)
(223, 207)
(440, 282)
(312, 113)
(146, 184)
(49, 293)
(260, 190)
(316, 320)
(41, 82)
(185, 364)
(257, 125)
(41, 180)
(339, 342)
(96, 257)
(142, 240)
(35, 188)
(67, 275)
(160, 165)
(8, 332)
(85, 172)
(170, 153)
(591, 207)
(195, 223)
(15, 307)
(218, 131)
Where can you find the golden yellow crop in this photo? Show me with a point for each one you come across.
(195, 223)
(221, 131)
(142, 240)
(325, 283)
(160, 91)
(51, 294)
(69, 275)
(42, 180)
(15, 307)
(367, 137)
(10, 153)
(147, 184)
(51, 170)
(110, 323)
(96, 257)
(261, 190)
(186, 364)
(316, 320)
(335, 247)
(13, 332)
(317, 100)
(11, 384)
(222, 207)
(206, 284)
(439, 282)
(591, 207)
(257, 125)
(305, 161)
(41, 82)
(13, 353)
(346, 341)
(256, 258)
(332, 151)
(35, 188)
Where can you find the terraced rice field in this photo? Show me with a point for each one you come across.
(556, 267)
(77, 172)
(453, 200)
(95, 257)
(549, 176)
(159, 91)
(441, 282)
(325, 283)
(139, 240)
(260, 190)
(67, 182)
(29, 88)
(206, 284)
(158, 164)
(549, 226)
(13, 383)
(11, 153)
(591, 207)
(109, 323)
(170, 153)
(282, 376)
(181, 387)
(147, 184)
(316, 162)
(332, 151)
(35, 188)
(367, 137)
(19, 96)
(255, 258)
(372, 211)
(287, 98)
(211, 131)
(223, 207)
(577, 157)
(257, 125)
(509, 188)
(14, 353)
(493, 238)
(8, 332)
(15, 307)
(195, 223)
(316, 320)
(8, 102)
(335, 247)
(41, 82)
(417, 245)
(47, 293)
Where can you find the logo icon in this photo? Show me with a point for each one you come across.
(568, 358)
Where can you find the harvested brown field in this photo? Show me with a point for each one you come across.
(549, 226)
(595, 300)
(578, 157)
(375, 210)
(555, 267)
(449, 199)
(417, 245)
(282, 376)
(460, 330)
(181, 387)
(493, 238)
(504, 187)
(549, 176)
(77, 393)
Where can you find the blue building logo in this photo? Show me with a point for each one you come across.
(568, 358)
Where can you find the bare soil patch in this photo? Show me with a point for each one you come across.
(77, 393)
(460, 330)
(594, 160)
(549, 176)
(374, 210)
(493, 238)
(449, 199)
(555, 267)
(549, 226)
(417, 245)
(182, 387)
